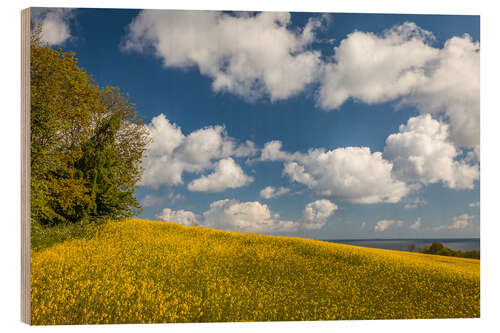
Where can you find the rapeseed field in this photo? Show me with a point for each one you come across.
(138, 271)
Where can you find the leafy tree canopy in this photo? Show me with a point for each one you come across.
(86, 142)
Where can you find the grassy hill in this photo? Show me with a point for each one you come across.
(138, 271)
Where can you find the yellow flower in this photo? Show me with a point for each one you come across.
(138, 271)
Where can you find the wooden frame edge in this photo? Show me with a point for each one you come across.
(25, 167)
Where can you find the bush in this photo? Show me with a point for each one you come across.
(439, 249)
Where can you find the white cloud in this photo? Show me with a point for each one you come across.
(54, 24)
(475, 204)
(376, 68)
(165, 135)
(460, 223)
(272, 152)
(151, 200)
(316, 213)
(271, 192)
(245, 216)
(205, 144)
(248, 55)
(171, 153)
(297, 173)
(417, 225)
(401, 63)
(245, 149)
(351, 174)
(319, 210)
(422, 152)
(173, 197)
(452, 87)
(251, 216)
(268, 192)
(417, 202)
(179, 216)
(227, 174)
(384, 224)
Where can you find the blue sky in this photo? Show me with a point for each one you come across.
(364, 125)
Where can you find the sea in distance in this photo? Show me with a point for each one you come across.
(456, 244)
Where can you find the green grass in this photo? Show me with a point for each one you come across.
(43, 237)
(138, 271)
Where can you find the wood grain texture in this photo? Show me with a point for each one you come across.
(25, 167)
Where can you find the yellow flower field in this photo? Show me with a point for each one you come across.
(138, 271)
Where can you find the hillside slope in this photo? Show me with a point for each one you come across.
(138, 271)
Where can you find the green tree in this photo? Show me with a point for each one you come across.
(440, 249)
(411, 247)
(86, 143)
(110, 162)
(436, 248)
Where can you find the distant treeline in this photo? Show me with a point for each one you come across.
(440, 249)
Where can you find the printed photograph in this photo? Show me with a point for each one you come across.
(222, 166)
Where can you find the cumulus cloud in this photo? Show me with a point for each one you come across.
(179, 216)
(351, 174)
(460, 223)
(227, 174)
(402, 63)
(54, 24)
(382, 225)
(376, 68)
(245, 54)
(316, 213)
(273, 60)
(151, 200)
(171, 153)
(271, 192)
(173, 197)
(251, 216)
(245, 216)
(422, 152)
(474, 204)
(272, 152)
(417, 225)
(297, 173)
(319, 210)
(417, 202)
(233, 215)
(452, 87)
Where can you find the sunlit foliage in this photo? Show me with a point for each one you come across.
(86, 143)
